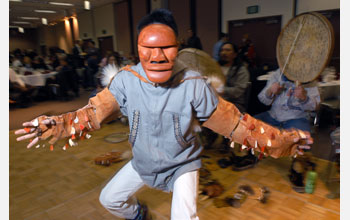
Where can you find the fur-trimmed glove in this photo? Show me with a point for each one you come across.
(88, 118)
(67, 124)
(255, 134)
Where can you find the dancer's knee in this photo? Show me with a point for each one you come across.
(110, 202)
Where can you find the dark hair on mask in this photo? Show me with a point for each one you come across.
(158, 16)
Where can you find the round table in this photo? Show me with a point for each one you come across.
(37, 79)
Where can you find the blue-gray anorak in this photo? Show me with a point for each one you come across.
(161, 121)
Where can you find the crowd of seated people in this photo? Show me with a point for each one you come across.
(78, 69)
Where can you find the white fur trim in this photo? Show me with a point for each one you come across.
(216, 83)
(108, 72)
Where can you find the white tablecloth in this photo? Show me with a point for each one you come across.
(37, 79)
(330, 91)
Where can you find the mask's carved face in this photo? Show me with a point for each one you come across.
(157, 48)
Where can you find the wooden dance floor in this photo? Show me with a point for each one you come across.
(65, 185)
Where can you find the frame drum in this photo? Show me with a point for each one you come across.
(305, 46)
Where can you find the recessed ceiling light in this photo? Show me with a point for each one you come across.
(86, 5)
(30, 18)
(20, 29)
(44, 21)
(20, 22)
(45, 11)
(61, 3)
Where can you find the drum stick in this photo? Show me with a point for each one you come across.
(292, 47)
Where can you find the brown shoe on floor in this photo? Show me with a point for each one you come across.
(108, 158)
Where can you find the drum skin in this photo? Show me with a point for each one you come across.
(198, 60)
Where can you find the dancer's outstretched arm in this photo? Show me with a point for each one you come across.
(252, 133)
(88, 118)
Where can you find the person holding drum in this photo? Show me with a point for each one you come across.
(290, 105)
(304, 48)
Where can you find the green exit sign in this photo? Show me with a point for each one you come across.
(253, 9)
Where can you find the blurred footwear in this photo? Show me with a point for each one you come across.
(296, 176)
(296, 180)
(224, 162)
(142, 213)
(244, 162)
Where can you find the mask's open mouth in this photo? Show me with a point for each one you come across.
(159, 67)
(159, 76)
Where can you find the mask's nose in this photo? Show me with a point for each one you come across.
(158, 56)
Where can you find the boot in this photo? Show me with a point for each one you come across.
(297, 174)
(142, 213)
(245, 162)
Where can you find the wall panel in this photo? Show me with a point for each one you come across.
(317, 5)
(86, 29)
(139, 10)
(122, 28)
(26, 40)
(104, 21)
(207, 23)
(181, 12)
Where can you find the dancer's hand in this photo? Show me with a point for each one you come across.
(58, 127)
(35, 129)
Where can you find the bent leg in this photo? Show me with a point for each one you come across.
(184, 201)
(266, 117)
(117, 197)
(300, 123)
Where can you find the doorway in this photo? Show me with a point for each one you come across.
(263, 32)
(105, 44)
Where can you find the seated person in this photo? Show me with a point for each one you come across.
(237, 78)
(38, 63)
(19, 92)
(289, 109)
(27, 63)
(16, 62)
(66, 78)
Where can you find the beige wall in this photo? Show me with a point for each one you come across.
(86, 27)
(104, 21)
(207, 23)
(61, 37)
(47, 36)
(123, 28)
(139, 10)
(181, 12)
(317, 5)
(26, 40)
(236, 9)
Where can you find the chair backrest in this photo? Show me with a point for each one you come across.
(247, 95)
